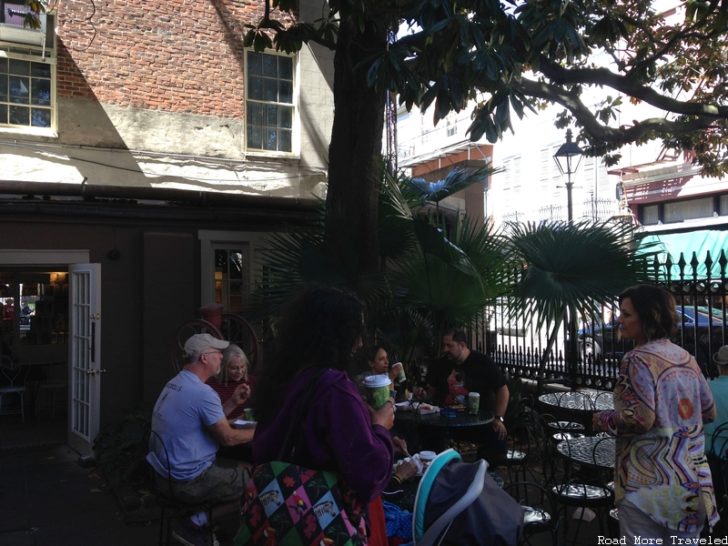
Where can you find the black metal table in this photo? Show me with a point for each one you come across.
(435, 431)
(597, 451)
(459, 420)
(580, 401)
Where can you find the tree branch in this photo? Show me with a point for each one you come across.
(612, 137)
(628, 86)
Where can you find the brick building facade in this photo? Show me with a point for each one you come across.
(142, 138)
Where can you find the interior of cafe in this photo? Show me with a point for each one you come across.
(33, 357)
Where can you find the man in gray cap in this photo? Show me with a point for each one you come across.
(191, 423)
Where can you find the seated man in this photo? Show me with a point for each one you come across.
(480, 374)
(190, 421)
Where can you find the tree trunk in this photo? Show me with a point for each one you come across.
(355, 152)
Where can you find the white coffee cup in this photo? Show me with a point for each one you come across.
(427, 457)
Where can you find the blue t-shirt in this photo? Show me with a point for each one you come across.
(719, 388)
(184, 410)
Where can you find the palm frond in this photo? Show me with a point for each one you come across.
(419, 191)
(576, 266)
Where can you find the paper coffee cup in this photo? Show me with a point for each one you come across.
(377, 390)
(401, 377)
(427, 457)
(473, 403)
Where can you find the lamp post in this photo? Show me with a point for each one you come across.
(568, 158)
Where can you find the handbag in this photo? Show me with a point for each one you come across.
(288, 504)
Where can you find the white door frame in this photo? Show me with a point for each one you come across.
(84, 355)
(53, 259)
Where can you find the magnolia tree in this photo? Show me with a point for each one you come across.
(506, 57)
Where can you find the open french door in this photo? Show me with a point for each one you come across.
(84, 355)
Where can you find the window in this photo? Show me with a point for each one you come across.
(26, 89)
(232, 284)
(677, 211)
(650, 215)
(270, 106)
(452, 128)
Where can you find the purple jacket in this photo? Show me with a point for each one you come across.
(336, 433)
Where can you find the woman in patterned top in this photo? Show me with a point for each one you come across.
(663, 486)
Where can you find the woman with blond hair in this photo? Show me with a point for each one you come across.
(234, 372)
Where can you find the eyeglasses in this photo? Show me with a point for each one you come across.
(213, 353)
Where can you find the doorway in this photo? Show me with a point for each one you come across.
(34, 346)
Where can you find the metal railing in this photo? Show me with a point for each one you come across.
(701, 294)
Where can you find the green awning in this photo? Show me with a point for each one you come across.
(699, 242)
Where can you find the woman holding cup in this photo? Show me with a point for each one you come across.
(313, 350)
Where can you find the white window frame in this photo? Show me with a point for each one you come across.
(210, 240)
(45, 56)
(296, 124)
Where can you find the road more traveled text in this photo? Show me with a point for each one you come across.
(710, 541)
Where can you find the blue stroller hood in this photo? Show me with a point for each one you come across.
(458, 503)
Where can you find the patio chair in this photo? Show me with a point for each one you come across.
(184, 332)
(12, 393)
(233, 328)
(172, 507)
(583, 488)
(523, 454)
(539, 511)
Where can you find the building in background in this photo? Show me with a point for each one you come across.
(430, 152)
(145, 154)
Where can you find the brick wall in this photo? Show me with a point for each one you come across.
(182, 56)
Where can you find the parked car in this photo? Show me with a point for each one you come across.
(698, 331)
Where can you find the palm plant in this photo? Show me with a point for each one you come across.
(429, 277)
(569, 270)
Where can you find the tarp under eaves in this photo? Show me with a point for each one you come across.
(699, 242)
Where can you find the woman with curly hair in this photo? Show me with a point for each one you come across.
(311, 360)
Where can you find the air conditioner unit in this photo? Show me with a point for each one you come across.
(12, 29)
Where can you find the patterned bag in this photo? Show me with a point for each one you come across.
(289, 505)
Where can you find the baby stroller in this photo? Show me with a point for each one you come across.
(459, 504)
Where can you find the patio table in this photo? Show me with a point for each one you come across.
(596, 451)
(579, 401)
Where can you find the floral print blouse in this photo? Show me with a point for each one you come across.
(661, 401)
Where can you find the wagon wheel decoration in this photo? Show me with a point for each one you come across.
(184, 332)
(237, 330)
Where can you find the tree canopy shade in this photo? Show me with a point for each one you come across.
(507, 56)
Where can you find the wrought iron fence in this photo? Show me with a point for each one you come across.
(701, 294)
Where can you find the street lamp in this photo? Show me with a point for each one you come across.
(568, 158)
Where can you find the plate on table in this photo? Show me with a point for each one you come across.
(404, 406)
(243, 423)
(427, 409)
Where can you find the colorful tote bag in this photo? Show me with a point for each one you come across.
(289, 505)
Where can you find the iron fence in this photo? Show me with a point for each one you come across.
(701, 294)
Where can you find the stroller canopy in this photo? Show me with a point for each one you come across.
(458, 503)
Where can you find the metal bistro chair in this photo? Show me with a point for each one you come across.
(582, 488)
(171, 506)
(234, 329)
(523, 454)
(12, 395)
(539, 511)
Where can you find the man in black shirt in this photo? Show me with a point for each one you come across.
(479, 374)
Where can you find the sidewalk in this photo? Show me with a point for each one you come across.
(48, 499)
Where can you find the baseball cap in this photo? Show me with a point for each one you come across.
(199, 343)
